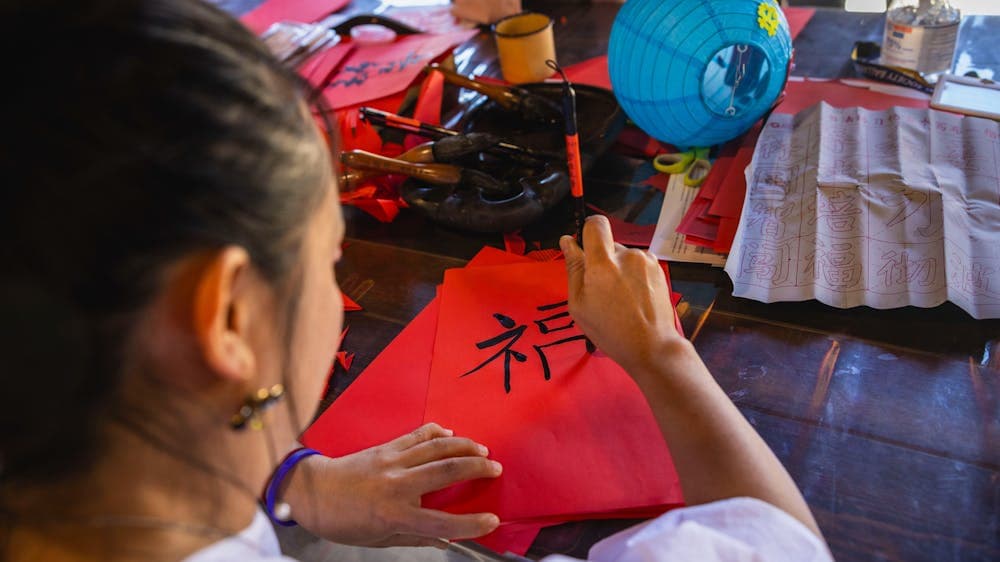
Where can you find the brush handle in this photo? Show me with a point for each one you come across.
(500, 94)
(420, 154)
(351, 178)
(436, 174)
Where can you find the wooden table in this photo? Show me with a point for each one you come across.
(889, 421)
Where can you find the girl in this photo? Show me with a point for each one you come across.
(171, 222)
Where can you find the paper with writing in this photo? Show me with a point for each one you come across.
(573, 431)
(375, 71)
(880, 208)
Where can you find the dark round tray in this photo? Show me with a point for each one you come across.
(599, 120)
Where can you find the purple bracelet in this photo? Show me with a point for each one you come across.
(271, 491)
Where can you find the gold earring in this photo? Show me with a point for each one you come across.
(254, 405)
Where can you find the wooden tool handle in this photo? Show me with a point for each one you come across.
(437, 174)
(500, 94)
(420, 154)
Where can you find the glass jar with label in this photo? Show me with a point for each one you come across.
(920, 35)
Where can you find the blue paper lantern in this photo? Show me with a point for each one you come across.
(698, 72)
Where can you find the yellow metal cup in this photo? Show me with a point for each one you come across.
(524, 43)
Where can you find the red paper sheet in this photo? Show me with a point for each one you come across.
(800, 94)
(514, 243)
(514, 537)
(582, 442)
(387, 400)
(428, 109)
(627, 233)
(727, 233)
(797, 19)
(261, 17)
(349, 304)
(375, 71)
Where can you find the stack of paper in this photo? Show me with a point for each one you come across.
(668, 242)
(497, 358)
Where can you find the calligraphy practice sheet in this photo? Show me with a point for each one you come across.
(880, 208)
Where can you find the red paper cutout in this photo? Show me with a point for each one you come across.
(593, 72)
(345, 359)
(627, 233)
(594, 414)
(659, 181)
(727, 234)
(550, 254)
(349, 304)
(428, 109)
(384, 210)
(514, 537)
(374, 71)
(514, 243)
(797, 19)
(261, 17)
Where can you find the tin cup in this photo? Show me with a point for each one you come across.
(524, 43)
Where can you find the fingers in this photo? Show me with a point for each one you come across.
(574, 265)
(442, 448)
(442, 473)
(598, 239)
(434, 523)
(423, 433)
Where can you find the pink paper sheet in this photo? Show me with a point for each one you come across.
(261, 17)
(376, 71)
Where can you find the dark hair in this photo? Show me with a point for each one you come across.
(135, 132)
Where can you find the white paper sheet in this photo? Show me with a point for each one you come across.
(879, 208)
(667, 244)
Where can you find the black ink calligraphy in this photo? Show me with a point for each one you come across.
(556, 322)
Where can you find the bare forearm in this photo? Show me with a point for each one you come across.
(716, 452)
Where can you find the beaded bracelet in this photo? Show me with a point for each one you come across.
(271, 505)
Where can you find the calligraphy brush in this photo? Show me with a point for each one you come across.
(435, 132)
(531, 107)
(446, 175)
(444, 150)
(573, 164)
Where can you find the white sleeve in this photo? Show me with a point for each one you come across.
(733, 530)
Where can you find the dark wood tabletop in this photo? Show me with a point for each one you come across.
(888, 420)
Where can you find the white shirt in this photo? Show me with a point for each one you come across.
(733, 530)
(256, 543)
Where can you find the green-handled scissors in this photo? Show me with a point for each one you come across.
(693, 164)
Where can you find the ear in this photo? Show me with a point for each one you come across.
(222, 311)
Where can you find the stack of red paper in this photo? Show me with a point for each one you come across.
(497, 358)
(713, 216)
